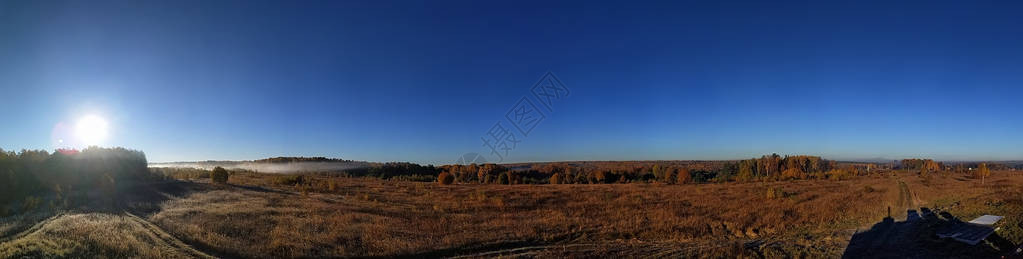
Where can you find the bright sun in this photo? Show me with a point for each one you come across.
(91, 130)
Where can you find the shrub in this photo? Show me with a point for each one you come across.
(332, 185)
(219, 175)
(838, 174)
(774, 193)
(288, 179)
(445, 178)
(418, 178)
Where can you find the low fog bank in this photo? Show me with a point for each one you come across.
(263, 167)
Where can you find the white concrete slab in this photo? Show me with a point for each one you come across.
(986, 220)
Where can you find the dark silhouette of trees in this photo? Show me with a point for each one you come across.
(35, 172)
(503, 179)
(394, 169)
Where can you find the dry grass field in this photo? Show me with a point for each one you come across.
(252, 216)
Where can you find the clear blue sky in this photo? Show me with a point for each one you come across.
(423, 81)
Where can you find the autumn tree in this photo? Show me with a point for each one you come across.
(792, 173)
(983, 172)
(598, 176)
(663, 174)
(513, 177)
(581, 177)
(456, 172)
(682, 176)
(445, 178)
(745, 171)
(658, 172)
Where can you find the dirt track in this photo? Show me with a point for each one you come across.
(167, 239)
(907, 200)
(105, 230)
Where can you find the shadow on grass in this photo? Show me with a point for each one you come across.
(916, 238)
(144, 198)
(258, 189)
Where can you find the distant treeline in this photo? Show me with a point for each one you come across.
(775, 167)
(35, 172)
(286, 165)
(387, 171)
(301, 159)
(959, 166)
(920, 164)
(766, 168)
(394, 169)
(771, 167)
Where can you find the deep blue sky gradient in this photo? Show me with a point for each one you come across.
(422, 81)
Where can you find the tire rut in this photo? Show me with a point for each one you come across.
(167, 239)
(36, 227)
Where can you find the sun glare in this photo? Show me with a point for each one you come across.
(91, 130)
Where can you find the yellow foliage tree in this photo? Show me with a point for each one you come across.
(682, 176)
(983, 172)
(792, 173)
(445, 178)
(556, 178)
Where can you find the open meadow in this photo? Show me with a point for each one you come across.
(258, 215)
(510, 129)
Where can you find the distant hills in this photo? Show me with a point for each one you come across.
(277, 164)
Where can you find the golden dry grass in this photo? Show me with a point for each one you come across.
(364, 217)
(95, 234)
(368, 217)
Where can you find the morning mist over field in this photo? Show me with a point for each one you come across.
(526, 129)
